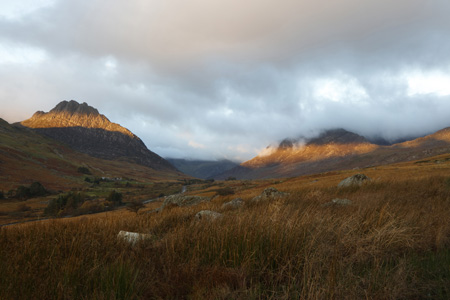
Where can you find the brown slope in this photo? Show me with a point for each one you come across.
(337, 150)
(84, 129)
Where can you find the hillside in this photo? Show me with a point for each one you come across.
(390, 240)
(336, 150)
(203, 169)
(84, 129)
(26, 156)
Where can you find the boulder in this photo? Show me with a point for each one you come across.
(183, 200)
(233, 204)
(133, 237)
(355, 180)
(208, 215)
(338, 202)
(270, 193)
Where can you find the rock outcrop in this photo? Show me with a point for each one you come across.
(355, 180)
(133, 237)
(339, 202)
(233, 204)
(183, 200)
(208, 215)
(270, 193)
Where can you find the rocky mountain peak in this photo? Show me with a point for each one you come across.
(286, 144)
(73, 114)
(73, 107)
(338, 136)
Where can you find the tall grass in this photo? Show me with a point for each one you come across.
(391, 243)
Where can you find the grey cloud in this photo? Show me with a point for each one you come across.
(227, 78)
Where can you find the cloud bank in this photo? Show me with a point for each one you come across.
(223, 79)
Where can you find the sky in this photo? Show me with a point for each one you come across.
(214, 79)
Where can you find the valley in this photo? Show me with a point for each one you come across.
(291, 231)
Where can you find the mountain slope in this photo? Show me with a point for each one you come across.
(203, 169)
(84, 129)
(336, 150)
(26, 156)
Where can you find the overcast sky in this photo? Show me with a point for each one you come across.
(225, 78)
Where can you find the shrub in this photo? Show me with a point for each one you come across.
(22, 192)
(135, 206)
(115, 198)
(84, 170)
(64, 204)
(35, 190)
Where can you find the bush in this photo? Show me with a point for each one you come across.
(115, 198)
(35, 190)
(84, 170)
(135, 206)
(64, 204)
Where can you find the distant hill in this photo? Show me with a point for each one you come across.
(336, 149)
(203, 169)
(84, 129)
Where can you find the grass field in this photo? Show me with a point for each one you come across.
(392, 242)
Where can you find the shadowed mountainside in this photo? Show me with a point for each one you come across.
(202, 169)
(336, 149)
(84, 129)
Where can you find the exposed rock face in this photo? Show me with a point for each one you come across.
(355, 180)
(208, 215)
(233, 204)
(84, 129)
(269, 194)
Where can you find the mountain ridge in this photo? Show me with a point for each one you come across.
(335, 149)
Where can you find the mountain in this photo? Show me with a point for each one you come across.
(336, 149)
(203, 169)
(27, 156)
(84, 129)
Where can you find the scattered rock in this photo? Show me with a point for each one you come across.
(208, 215)
(133, 237)
(183, 200)
(357, 179)
(270, 193)
(233, 204)
(338, 202)
(343, 202)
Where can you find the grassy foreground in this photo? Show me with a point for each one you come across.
(393, 242)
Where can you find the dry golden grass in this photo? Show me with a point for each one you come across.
(393, 242)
